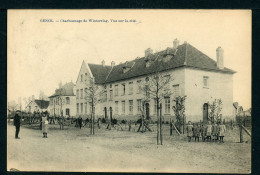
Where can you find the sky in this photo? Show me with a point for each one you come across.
(41, 54)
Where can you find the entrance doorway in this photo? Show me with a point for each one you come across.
(205, 112)
(105, 110)
(147, 111)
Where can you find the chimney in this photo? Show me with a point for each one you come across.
(113, 64)
(148, 52)
(220, 54)
(103, 63)
(176, 43)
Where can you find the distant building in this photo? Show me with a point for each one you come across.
(63, 101)
(37, 106)
(194, 74)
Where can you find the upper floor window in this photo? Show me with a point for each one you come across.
(130, 88)
(77, 107)
(167, 81)
(110, 85)
(77, 93)
(105, 95)
(205, 81)
(155, 106)
(123, 89)
(116, 90)
(139, 87)
(67, 100)
(176, 90)
(81, 93)
(86, 94)
(111, 95)
(123, 107)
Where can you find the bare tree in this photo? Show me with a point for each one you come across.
(27, 101)
(94, 95)
(215, 108)
(179, 110)
(12, 107)
(156, 87)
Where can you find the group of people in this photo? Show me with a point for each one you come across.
(207, 132)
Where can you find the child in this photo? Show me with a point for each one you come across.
(189, 131)
(203, 132)
(215, 131)
(221, 131)
(196, 132)
(209, 131)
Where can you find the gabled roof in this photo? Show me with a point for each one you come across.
(65, 90)
(185, 56)
(42, 104)
(100, 72)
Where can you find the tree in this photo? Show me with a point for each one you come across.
(27, 101)
(215, 108)
(12, 107)
(156, 87)
(179, 110)
(60, 100)
(94, 95)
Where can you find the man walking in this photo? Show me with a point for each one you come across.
(17, 123)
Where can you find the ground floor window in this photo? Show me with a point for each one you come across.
(167, 105)
(139, 105)
(77, 108)
(67, 111)
(116, 107)
(123, 107)
(81, 108)
(130, 106)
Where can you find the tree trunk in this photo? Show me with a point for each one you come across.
(158, 132)
(170, 127)
(161, 137)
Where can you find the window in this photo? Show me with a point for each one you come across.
(176, 92)
(77, 108)
(86, 108)
(147, 91)
(81, 93)
(123, 107)
(155, 106)
(90, 107)
(67, 100)
(81, 77)
(123, 89)
(139, 87)
(167, 105)
(116, 107)
(77, 93)
(86, 94)
(67, 111)
(205, 81)
(81, 108)
(116, 90)
(86, 75)
(110, 85)
(105, 95)
(130, 106)
(139, 105)
(167, 79)
(111, 95)
(130, 88)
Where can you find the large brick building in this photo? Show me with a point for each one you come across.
(193, 74)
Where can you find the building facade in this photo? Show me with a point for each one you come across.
(63, 101)
(193, 74)
(37, 106)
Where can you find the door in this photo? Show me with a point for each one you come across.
(110, 114)
(205, 112)
(105, 110)
(147, 111)
(68, 112)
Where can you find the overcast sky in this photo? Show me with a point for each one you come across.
(41, 54)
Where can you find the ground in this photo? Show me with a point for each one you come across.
(74, 149)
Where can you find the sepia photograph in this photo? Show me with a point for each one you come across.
(166, 91)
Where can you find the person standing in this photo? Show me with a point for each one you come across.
(221, 131)
(196, 132)
(209, 131)
(17, 123)
(44, 125)
(80, 121)
(189, 128)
